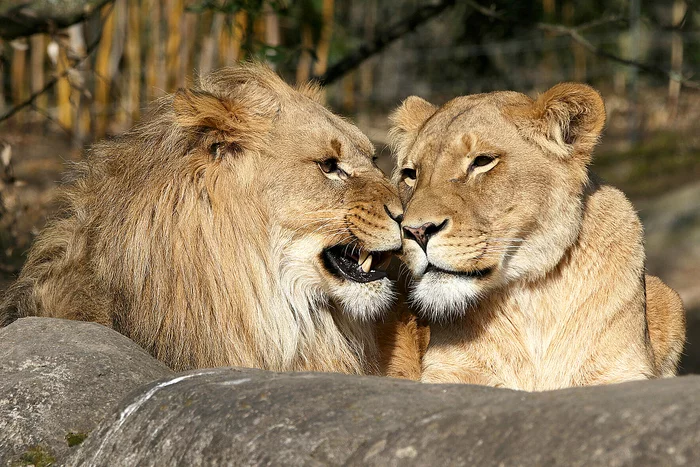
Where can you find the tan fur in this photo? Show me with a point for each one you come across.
(666, 321)
(536, 276)
(403, 340)
(199, 232)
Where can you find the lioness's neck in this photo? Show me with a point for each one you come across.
(555, 331)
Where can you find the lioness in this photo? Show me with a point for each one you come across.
(241, 223)
(532, 271)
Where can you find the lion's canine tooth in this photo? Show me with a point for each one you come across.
(363, 257)
(367, 264)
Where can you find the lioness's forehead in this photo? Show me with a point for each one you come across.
(479, 116)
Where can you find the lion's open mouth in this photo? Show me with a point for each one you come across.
(355, 265)
(475, 273)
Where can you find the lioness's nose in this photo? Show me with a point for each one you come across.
(423, 233)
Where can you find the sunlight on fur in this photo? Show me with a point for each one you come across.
(531, 271)
(207, 233)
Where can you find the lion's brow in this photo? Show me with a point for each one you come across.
(335, 144)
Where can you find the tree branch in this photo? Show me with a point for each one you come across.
(19, 18)
(420, 16)
(575, 35)
(29, 102)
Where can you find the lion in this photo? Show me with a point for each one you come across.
(530, 270)
(240, 224)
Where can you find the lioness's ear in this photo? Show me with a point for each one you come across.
(566, 120)
(237, 121)
(406, 121)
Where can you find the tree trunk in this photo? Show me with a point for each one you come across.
(674, 86)
(324, 40)
(132, 103)
(272, 30)
(188, 34)
(38, 58)
(305, 58)
(211, 42)
(231, 43)
(156, 78)
(81, 112)
(63, 90)
(102, 82)
(175, 13)
(19, 73)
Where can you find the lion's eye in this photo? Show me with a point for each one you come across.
(409, 176)
(216, 149)
(330, 168)
(483, 160)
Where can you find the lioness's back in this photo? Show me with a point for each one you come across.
(666, 321)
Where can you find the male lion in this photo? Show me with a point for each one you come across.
(241, 223)
(533, 271)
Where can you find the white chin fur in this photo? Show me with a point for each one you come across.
(306, 283)
(441, 296)
(364, 301)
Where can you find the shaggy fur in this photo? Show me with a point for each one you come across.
(534, 278)
(199, 232)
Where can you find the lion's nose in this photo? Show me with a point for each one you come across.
(423, 233)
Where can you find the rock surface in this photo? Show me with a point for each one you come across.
(58, 379)
(249, 417)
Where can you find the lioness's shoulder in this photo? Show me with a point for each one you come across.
(609, 213)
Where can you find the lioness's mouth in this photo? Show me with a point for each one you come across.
(356, 265)
(474, 273)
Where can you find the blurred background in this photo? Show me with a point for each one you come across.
(72, 71)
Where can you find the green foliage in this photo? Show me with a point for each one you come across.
(74, 439)
(230, 7)
(36, 456)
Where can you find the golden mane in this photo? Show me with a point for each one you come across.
(162, 240)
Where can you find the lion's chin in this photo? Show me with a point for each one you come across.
(364, 301)
(442, 296)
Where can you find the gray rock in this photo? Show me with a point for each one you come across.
(58, 379)
(250, 417)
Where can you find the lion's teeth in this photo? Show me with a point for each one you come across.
(363, 257)
(367, 264)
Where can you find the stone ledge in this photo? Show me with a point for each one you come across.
(249, 417)
(58, 379)
(61, 377)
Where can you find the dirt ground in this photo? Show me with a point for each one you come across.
(660, 173)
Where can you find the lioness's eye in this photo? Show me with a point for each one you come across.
(483, 159)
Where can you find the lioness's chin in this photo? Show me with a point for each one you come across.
(441, 296)
(365, 301)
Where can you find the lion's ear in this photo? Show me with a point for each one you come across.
(241, 121)
(566, 120)
(407, 120)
